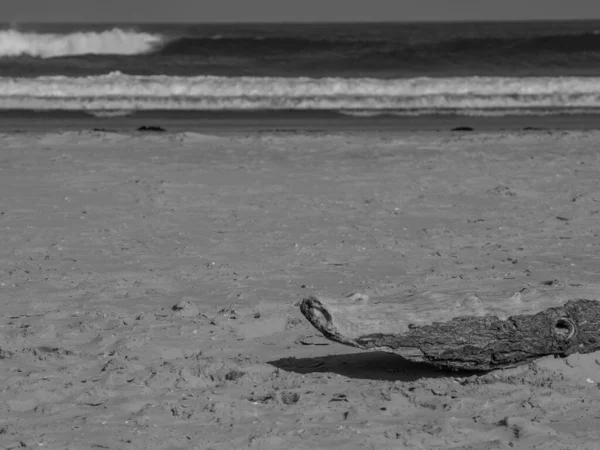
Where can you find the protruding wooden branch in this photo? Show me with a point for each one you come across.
(474, 336)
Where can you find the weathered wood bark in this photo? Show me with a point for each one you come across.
(473, 342)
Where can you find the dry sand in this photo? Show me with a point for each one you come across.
(149, 282)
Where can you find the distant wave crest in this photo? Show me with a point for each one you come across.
(118, 91)
(372, 50)
(113, 42)
(273, 45)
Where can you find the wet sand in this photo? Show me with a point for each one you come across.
(244, 122)
(149, 285)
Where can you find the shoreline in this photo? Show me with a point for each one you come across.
(226, 122)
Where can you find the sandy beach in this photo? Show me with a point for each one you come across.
(150, 282)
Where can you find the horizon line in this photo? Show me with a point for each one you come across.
(300, 22)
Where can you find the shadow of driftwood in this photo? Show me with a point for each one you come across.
(369, 366)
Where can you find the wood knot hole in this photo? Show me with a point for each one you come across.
(564, 328)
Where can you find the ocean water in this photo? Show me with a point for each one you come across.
(362, 70)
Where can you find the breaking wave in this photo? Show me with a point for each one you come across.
(110, 42)
(477, 95)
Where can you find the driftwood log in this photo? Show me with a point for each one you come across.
(459, 331)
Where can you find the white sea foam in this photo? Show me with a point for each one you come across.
(117, 91)
(115, 41)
